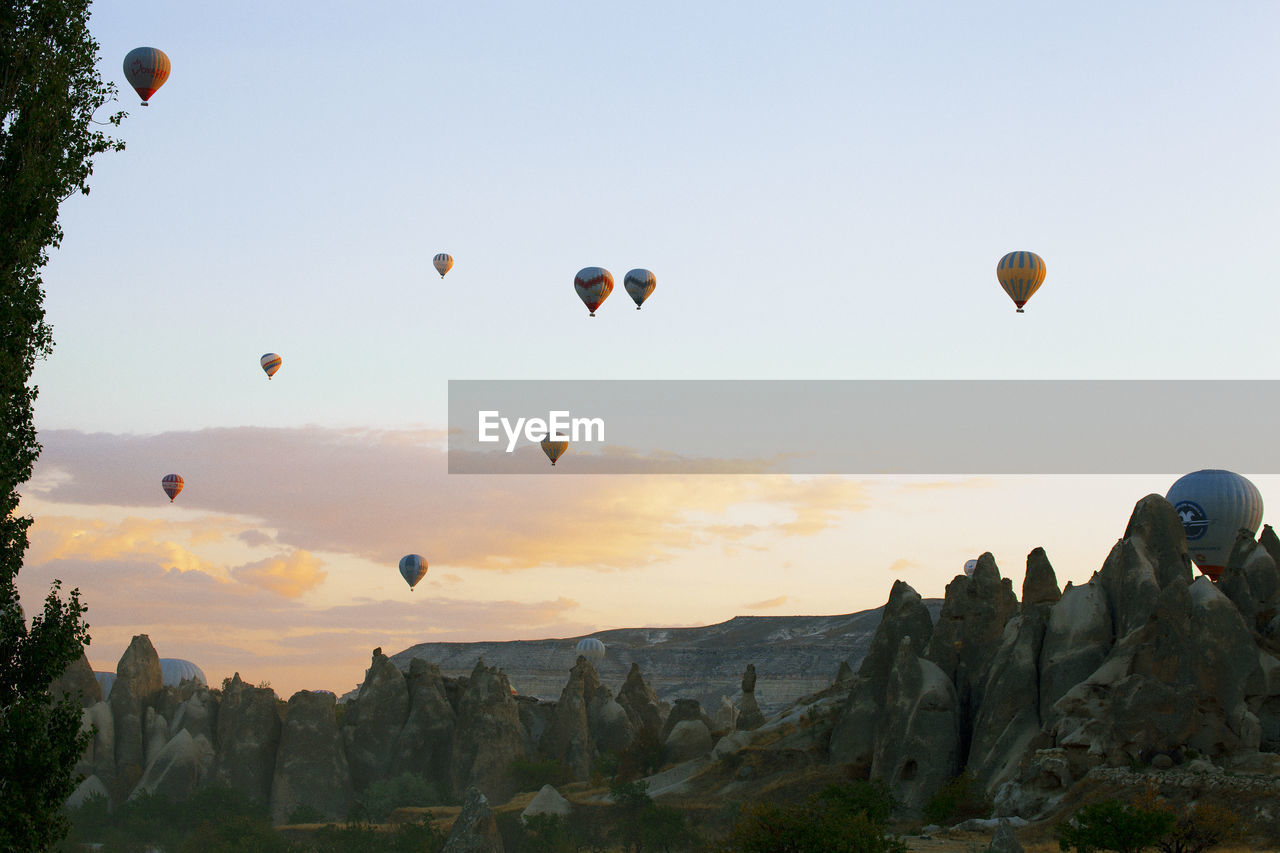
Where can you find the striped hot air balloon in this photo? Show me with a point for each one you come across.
(271, 363)
(1214, 506)
(146, 69)
(443, 263)
(639, 285)
(413, 569)
(554, 449)
(594, 284)
(172, 484)
(1020, 274)
(591, 649)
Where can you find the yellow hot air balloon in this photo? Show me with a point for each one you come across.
(554, 449)
(1020, 274)
(146, 69)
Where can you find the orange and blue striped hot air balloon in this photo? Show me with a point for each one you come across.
(639, 285)
(554, 449)
(443, 263)
(271, 363)
(1020, 274)
(172, 484)
(146, 69)
(594, 284)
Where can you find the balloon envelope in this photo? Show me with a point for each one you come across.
(591, 649)
(1214, 506)
(1020, 274)
(413, 569)
(639, 285)
(146, 69)
(593, 284)
(969, 566)
(271, 363)
(172, 484)
(443, 263)
(554, 449)
(173, 671)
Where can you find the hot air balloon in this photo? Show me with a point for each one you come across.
(969, 566)
(1020, 274)
(173, 671)
(172, 484)
(413, 569)
(639, 285)
(591, 649)
(146, 69)
(443, 263)
(554, 449)
(271, 363)
(1214, 506)
(594, 284)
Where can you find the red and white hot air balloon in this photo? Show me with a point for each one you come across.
(172, 484)
(594, 284)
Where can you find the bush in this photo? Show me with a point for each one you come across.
(422, 837)
(642, 756)
(383, 797)
(768, 827)
(960, 799)
(306, 814)
(873, 799)
(605, 767)
(532, 774)
(1112, 825)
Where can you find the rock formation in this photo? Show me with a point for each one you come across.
(476, 829)
(374, 720)
(488, 736)
(137, 682)
(640, 703)
(311, 766)
(568, 738)
(547, 801)
(749, 716)
(248, 738)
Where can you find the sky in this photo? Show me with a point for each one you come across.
(823, 191)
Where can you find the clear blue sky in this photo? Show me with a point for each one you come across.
(822, 189)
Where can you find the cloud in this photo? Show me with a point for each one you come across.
(289, 576)
(902, 564)
(767, 604)
(377, 494)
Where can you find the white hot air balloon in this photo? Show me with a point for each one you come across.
(591, 649)
(1214, 506)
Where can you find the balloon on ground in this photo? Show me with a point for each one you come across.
(1214, 506)
(591, 649)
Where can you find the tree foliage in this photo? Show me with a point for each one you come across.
(1113, 825)
(50, 90)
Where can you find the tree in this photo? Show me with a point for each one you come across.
(49, 92)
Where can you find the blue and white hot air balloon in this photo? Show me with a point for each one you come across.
(413, 569)
(591, 649)
(969, 566)
(1214, 506)
(174, 671)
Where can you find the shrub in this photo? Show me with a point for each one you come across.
(1112, 825)
(306, 814)
(532, 774)
(873, 799)
(813, 828)
(642, 756)
(383, 797)
(960, 799)
(605, 767)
